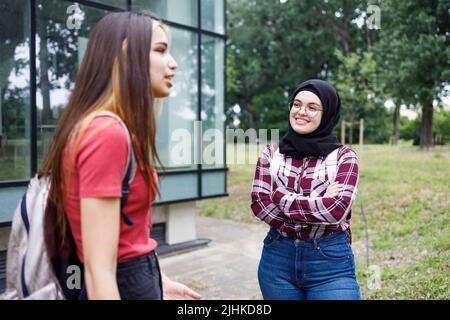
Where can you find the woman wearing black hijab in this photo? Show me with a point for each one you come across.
(307, 252)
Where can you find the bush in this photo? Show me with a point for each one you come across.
(410, 129)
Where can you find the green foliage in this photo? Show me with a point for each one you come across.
(377, 126)
(414, 49)
(276, 46)
(271, 110)
(273, 46)
(359, 89)
(410, 129)
(441, 126)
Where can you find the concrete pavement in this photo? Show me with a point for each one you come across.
(227, 267)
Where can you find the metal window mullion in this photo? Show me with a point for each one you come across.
(199, 95)
(33, 86)
(225, 90)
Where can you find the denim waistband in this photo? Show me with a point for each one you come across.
(146, 259)
(340, 235)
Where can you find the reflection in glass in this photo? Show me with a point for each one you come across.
(179, 111)
(177, 187)
(181, 11)
(114, 3)
(213, 183)
(14, 91)
(213, 15)
(61, 39)
(213, 101)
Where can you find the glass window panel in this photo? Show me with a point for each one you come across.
(180, 11)
(9, 198)
(212, 114)
(176, 187)
(114, 3)
(61, 39)
(14, 91)
(213, 183)
(176, 119)
(213, 15)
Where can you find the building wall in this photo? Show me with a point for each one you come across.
(45, 40)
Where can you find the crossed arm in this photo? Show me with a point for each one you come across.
(274, 198)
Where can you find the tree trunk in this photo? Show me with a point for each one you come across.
(426, 130)
(44, 81)
(396, 131)
(251, 121)
(369, 39)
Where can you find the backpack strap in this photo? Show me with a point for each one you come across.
(331, 165)
(275, 162)
(26, 223)
(130, 171)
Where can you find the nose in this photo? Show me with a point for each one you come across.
(302, 110)
(172, 63)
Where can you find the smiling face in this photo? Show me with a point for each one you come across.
(306, 112)
(162, 64)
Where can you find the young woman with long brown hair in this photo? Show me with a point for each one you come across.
(126, 66)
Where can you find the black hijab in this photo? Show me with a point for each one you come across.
(320, 142)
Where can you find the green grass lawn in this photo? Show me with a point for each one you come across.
(406, 199)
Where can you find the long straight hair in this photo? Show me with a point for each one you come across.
(114, 76)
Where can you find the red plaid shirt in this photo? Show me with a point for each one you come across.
(293, 202)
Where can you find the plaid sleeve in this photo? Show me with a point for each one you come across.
(321, 210)
(262, 205)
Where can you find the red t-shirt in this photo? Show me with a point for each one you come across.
(97, 172)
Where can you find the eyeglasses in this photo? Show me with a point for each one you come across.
(311, 110)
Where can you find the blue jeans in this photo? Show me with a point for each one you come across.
(308, 269)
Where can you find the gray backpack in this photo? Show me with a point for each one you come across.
(29, 272)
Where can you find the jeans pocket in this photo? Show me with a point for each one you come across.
(335, 251)
(270, 238)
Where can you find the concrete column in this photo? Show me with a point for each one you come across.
(180, 224)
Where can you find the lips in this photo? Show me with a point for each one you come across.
(301, 121)
(170, 77)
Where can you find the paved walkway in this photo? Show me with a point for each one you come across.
(227, 267)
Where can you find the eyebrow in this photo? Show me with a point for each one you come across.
(314, 103)
(161, 43)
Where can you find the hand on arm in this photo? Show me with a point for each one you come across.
(328, 209)
(333, 189)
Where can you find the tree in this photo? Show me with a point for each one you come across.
(414, 53)
(12, 39)
(357, 83)
(276, 46)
